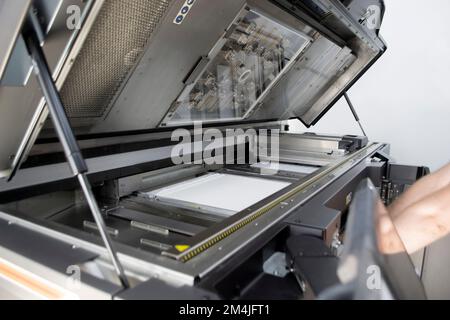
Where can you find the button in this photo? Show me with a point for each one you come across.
(185, 10)
(179, 19)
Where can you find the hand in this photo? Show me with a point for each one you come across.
(422, 214)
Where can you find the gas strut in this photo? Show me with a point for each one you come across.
(33, 36)
(352, 109)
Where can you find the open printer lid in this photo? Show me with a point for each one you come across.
(154, 64)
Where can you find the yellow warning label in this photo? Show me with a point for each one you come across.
(181, 248)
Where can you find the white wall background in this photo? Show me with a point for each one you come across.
(404, 99)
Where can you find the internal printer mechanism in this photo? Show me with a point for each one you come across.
(86, 145)
(249, 60)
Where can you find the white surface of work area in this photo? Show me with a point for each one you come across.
(275, 167)
(228, 193)
(404, 99)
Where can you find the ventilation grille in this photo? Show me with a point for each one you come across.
(116, 40)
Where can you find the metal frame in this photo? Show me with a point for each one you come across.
(12, 15)
(177, 272)
(60, 73)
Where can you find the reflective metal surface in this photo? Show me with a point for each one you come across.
(168, 60)
(134, 86)
(21, 108)
(12, 14)
(158, 74)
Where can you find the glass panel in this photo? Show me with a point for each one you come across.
(246, 66)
